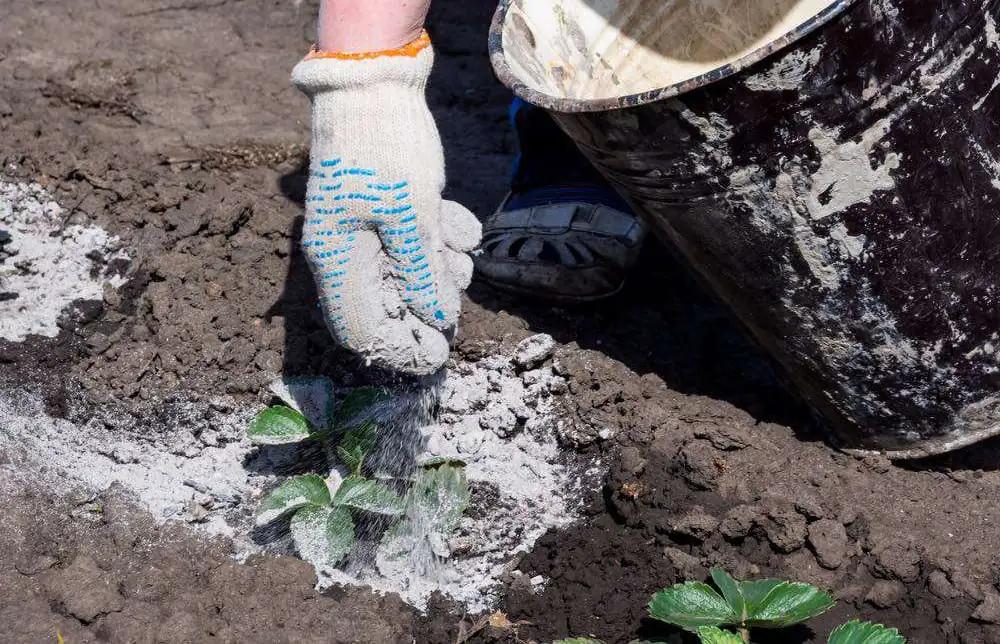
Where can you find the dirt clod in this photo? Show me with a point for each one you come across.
(885, 593)
(83, 590)
(534, 350)
(786, 530)
(696, 525)
(988, 610)
(828, 540)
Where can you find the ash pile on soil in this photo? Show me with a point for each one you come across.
(191, 462)
(498, 417)
(46, 263)
(186, 464)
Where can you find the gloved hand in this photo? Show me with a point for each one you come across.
(389, 256)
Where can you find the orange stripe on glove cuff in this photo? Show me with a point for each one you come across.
(409, 50)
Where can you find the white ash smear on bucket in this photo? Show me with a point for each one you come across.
(46, 263)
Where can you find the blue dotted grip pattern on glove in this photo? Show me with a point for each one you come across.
(348, 199)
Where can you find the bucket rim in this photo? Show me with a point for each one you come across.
(571, 105)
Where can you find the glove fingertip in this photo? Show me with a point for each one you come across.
(462, 231)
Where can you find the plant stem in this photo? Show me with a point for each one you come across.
(745, 635)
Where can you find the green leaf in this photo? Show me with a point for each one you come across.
(730, 590)
(279, 425)
(370, 496)
(296, 492)
(714, 635)
(789, 603)
(578, 640)
(357, 443)
(691, 605)
(323, 536)
(856, 632)
(356, 402)
(754, 593)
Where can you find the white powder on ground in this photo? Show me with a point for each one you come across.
(502, 425)
(194, 464)
(190, 469)
(191, 461)
(44, 263)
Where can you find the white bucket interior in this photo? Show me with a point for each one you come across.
(601, 49)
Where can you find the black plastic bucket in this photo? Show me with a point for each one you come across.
(837, 187)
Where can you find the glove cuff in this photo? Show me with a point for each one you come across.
(406, 67)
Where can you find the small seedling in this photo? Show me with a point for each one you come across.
(324, 512)
(746, 605)
(768, 603)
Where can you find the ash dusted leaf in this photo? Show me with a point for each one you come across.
(297, 492)
(731, 590)
(578, 640)
(434, 505)
(789, 603)
(441, 494)
(358, 401)
(369, 496)
(857, 632)
(339, 534)
(323, 536)
(691, 605)
(279, 425)
(313, 397)
(358, 442)
(715, 635)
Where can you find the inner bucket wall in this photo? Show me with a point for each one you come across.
(602, 49)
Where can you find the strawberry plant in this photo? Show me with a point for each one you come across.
(325, 511)
(745, 605)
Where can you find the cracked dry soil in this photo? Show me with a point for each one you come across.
(172, 124)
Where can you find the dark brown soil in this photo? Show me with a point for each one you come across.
(173, 125)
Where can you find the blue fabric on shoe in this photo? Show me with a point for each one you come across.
(568, 193)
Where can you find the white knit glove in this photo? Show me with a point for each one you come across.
(389, 256)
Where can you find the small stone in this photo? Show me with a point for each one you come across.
(786, 530)
(809, 508)
(533, 351)
(499, 420)
(557, 386)
(739, 521)
(98, 343)
(195, 511)
(988, 611)
(699, 464)
(885, 594)
(213, 289)
(828, 540)
(696, 524)
(471, 442)
(940, 586)
(632, 461)
(532, 377)
(895, 562)
(685, 565)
